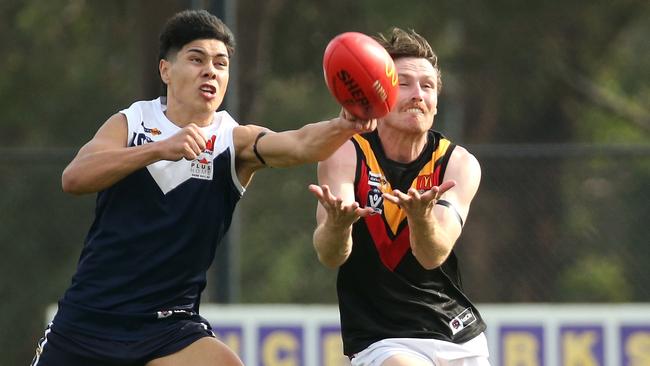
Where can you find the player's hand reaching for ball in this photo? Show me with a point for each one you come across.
(418, 205)
(358, 125)
(187, 143)
(339, 214)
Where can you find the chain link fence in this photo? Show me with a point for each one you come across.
(559, 223)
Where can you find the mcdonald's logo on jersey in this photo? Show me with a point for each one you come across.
(424, 182)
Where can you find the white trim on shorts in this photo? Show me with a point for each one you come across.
(471, 353)
(39, 346)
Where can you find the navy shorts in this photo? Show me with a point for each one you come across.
(69, 349)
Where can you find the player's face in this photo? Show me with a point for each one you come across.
(198, 75)
(417, 101)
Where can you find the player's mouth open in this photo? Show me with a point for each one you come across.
(209, 91)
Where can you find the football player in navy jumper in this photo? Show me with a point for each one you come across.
(392, 203)
(168, 173)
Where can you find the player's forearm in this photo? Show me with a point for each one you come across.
(333, 245)
(96, 171)
(315, 142)
(429, 243)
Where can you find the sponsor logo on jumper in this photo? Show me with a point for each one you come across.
(424, 182)
(375, 179)
(462, 320)
(201, 167)
(142, 137)
(167, 313)
(154, 131)
(375, 198)
(209, 145)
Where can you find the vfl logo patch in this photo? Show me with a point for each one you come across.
(462, 320)
(375, 199)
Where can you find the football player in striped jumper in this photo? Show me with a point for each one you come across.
(392, 203)
(167, 173)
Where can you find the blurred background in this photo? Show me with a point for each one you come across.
(553, 97)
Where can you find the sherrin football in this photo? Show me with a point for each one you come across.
(361, 75)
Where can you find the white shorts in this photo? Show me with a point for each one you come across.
(435, 352)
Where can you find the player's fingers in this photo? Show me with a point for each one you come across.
(189, 153)
(351, 208)
(445, 186)
(401, 196)
(371, 125)
(413, 193)
(198, 135)
(327, 193)
(363, 212)
(347, 115)
(316, 190)
(389, 197)
(194, 147)
(430, 195)
(345, 210)
(338, 203)
(192, 133)
(333, 201)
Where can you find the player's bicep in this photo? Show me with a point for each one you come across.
(337, 172)
(466, 171)
(246, 139)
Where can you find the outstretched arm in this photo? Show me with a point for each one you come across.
(106, 159)
(337, 210)
(311, 143)
(435, 228)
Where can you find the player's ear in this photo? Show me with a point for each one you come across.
(164, 68)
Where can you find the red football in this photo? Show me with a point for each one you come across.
(361, 75)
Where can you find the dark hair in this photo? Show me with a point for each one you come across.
(190, 25)
(400, 43)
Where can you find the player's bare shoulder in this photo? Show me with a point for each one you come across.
(462, 156)
(341, 165)
(344, 155)
(464, 167)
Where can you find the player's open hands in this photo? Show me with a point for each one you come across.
(187, 143)
(350, 121)
(416, 205)
(339, 214)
